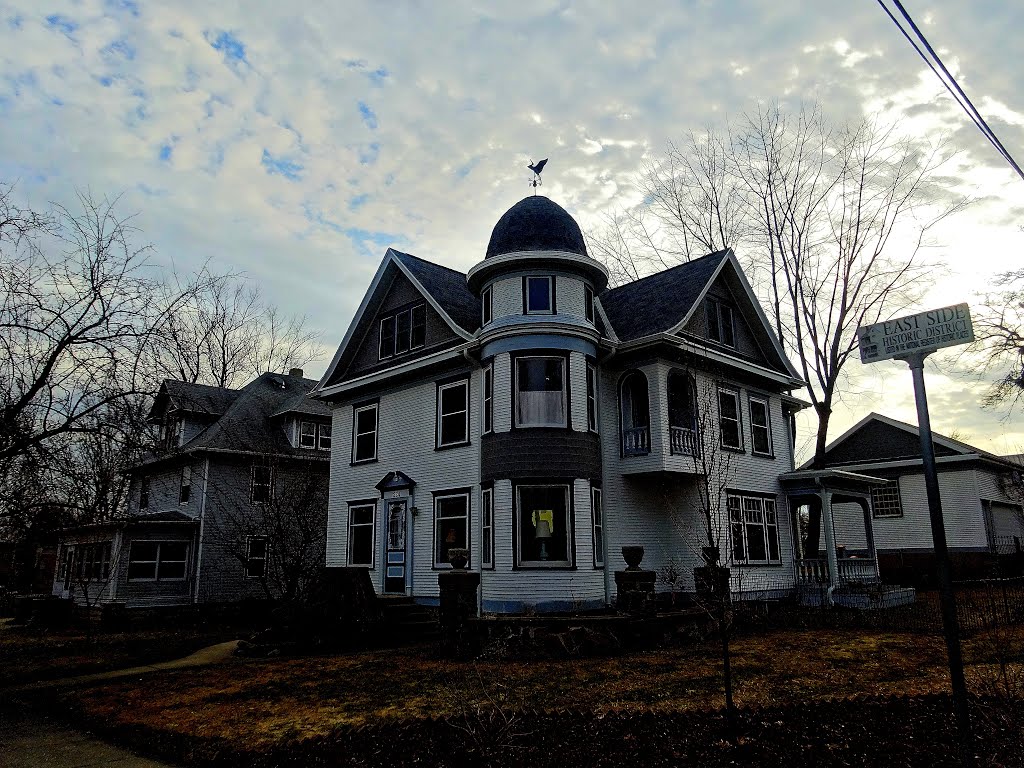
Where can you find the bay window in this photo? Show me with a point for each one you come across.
(540, 392)
(545, 537)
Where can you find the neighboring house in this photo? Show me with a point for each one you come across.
(232, 506)
(980, 492)
(528, 413)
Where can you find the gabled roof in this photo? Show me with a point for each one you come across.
(447, 287)
(192, 398)
(247, 425)
(659, 302)
(878, 439)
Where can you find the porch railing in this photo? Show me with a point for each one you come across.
(636, 441)
(682, 441)
(851, 569)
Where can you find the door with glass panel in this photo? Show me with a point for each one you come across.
(395, 552)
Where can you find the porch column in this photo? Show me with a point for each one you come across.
(869, 532)
(830, 538)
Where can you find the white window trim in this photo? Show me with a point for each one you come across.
(320, 436)
(765, 525)
(751, 399)
(569, 532)
(185, 488)
(159, 560)
(487, 417)
(464, 517)
(592, 380)
(515, 384)
(486, 526)
(597, 523)
(464, 384)
(486, 305)
(249, 558)
(715, 309)
(888, 488)
(589, 312)
(253, 484)
(355, 434)
(551, 295)
(313, 431)
(739, 421)
(372, 525)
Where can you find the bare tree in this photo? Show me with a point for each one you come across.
(227, 334)
(999, 339)
(77, 318)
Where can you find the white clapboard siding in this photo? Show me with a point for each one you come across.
(507, 293)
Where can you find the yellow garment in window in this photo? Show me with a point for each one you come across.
(544, 514)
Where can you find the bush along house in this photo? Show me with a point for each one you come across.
(232, 506)
(543, 421)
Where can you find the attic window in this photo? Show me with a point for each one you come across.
(403, 331)
(538, 295)
(720, 323)
(314, 435)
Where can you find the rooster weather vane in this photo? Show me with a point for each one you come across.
(537, 168)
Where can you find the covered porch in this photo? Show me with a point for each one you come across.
(834, 557)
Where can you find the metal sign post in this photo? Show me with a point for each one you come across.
(912, 339)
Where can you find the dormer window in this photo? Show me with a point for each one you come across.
(314, 435)
(720, 323)
(539, 295)
(486, 306)
(173, 430)
(403, 331)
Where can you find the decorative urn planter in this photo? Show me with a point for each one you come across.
(633, 556)
(458, 557)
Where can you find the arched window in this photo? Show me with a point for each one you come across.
(635, 410)
(682, 414)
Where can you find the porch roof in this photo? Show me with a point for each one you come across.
(812, 481)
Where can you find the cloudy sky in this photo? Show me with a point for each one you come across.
(296, 145)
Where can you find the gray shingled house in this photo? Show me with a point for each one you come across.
(231, 506)
(542, 420)
(981, 503)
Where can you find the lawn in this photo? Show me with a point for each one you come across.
(260, 704)
(28, 656)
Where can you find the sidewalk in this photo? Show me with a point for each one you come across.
(29, 739)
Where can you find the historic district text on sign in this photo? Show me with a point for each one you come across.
(920, 333)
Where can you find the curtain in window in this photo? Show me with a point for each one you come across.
(541, 408)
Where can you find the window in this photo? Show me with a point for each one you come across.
(361, 534)
(538, 295)
(729, 419)
(754, 529)
(487, 528)
(588, 302)
(885, 500)
(364, 433)
(256, 557)
(597, 519)
(262, 488)
(403, 331)
(545, 538)
(634, 412)
(314, 435)
(486, 306)
(185, 489)
(173, 430)
(451, 525)
(540, 392)
(92, 563)
(453, 414)
(157, 560)
(720, 323)
(144, 493)
(760, 427)
(488, 415)
(323, 437)
(591, 398)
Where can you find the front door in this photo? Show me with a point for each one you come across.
(395, 556)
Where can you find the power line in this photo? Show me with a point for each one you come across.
(950, 82)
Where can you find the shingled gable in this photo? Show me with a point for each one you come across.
(877, 438)
(666, 302)
(444, 290)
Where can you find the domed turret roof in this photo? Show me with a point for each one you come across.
(536, 223)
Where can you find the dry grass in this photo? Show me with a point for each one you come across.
(267, 701)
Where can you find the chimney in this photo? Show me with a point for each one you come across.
(295, 372)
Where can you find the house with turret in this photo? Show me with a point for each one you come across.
(529, 413)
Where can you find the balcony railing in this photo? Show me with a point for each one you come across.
(851, 569)
(682, 441)
(636, 441)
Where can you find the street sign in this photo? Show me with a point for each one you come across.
(916, 334)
